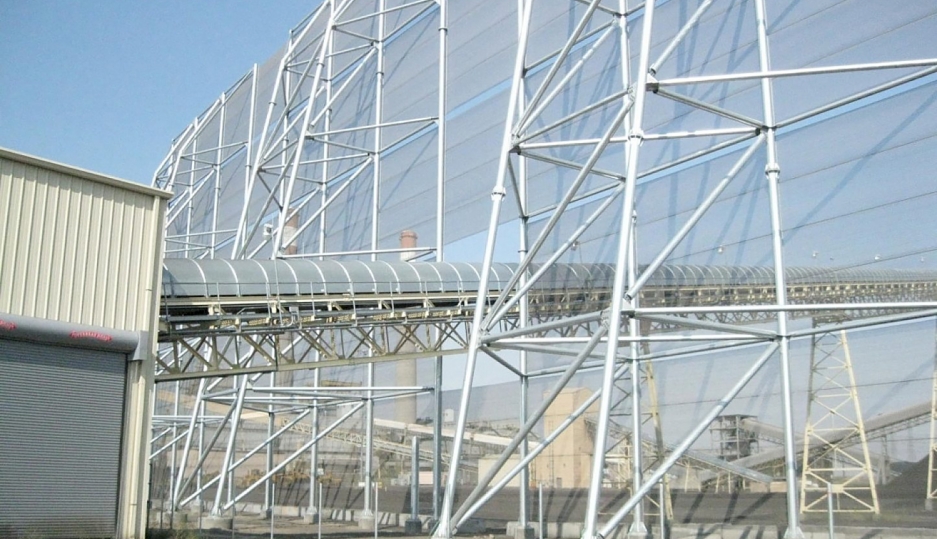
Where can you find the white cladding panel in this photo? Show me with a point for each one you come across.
(76, 246)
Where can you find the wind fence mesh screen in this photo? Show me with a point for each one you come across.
(857, 189)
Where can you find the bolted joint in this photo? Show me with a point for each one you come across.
(636, 135)
(627, 308)
(498, 192)
(652, 83)
(772, 168)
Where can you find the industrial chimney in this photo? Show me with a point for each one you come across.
(406, 369)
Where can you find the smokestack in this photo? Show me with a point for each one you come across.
(406, 369)
(285, 378)
(408, 241)
(289, 233)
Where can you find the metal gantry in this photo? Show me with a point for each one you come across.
(588, 140)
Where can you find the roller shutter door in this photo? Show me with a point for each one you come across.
(60, 424)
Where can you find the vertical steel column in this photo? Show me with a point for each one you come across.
(248, 159)
(437, 440)
(540, 510)
(172, 460)
(440, 235)
(313, 513)
(638, 527)
(441, 129)
(284, 194)
(216, 195)
(366, 513)
(523, 527)
(201, 444)
(319, 520)
(523, 315)
(327, 123)
(190, 193)
(375, 209)
(378, 119)
(414, 525)
(443, 528)
(618, 303)
(931, 493)
(772, 173)
(415, 479)
(268, 484)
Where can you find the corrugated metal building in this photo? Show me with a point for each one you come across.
(79, 272)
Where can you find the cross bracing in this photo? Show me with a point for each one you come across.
(641, 136)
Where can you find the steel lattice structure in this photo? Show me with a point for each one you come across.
(630, 136)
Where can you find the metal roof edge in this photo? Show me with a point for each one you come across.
(113, 181)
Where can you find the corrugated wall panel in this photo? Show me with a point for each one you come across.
(75, 248)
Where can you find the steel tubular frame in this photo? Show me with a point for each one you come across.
(628, 319)
(273, 156)
(623, 304)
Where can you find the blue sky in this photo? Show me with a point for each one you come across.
(106, 84)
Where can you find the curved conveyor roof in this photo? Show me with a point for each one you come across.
(241, 278)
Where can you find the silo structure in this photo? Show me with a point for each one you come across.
(80, 269)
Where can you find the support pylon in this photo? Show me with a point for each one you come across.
(834, 419)
(651, 414)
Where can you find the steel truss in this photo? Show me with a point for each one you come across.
(299, 155)
(291, 328)
(287, 408)
(834, 407)
(296, 157)
(626, 314)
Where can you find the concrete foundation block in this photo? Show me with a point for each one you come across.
(473, 526)
(552, 530)
(366, 521)
(176, 518)
(413, 526)
(222, 523)
(514, 530)
(569, 530)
